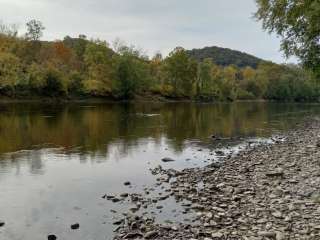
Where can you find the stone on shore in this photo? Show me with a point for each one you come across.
(167, 159)
(52, 237)
(75, 226)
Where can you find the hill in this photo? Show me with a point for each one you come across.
(225, 56)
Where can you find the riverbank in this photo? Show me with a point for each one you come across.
(137, 98)
(269, 192)
(89, 99)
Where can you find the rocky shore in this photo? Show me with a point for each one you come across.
(269, 192)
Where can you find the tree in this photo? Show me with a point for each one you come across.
(34, 30)
(156, 71)
(97, 59)
(297, 23)
(10, 71)
(267, 76)
(205, 77)
(53, 86)
(228, 84)
(132, 74)
(62, 52)
(249, 85)
(78, 45)
(9, 30)
(36, 77)
(182, 72)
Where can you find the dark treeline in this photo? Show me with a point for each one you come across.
(225, 57)
(79, 67)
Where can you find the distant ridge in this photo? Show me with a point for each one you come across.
(225, 56)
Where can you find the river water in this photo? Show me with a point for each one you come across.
(57, 161)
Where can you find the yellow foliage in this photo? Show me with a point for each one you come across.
(96, 88)
(10, 70)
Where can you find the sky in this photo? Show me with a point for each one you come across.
(153, 25)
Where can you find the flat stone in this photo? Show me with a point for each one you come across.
(151, 235)
(118, 222)
(133, 235)
(217, 235)
(277, 214)
(267, 234)
(115, 200)
(277, 173)
(124, 195)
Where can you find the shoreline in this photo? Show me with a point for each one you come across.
(139, 99)
(268, 192)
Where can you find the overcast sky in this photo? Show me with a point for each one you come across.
(154, 25)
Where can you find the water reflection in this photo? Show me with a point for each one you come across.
(93, 128)
(100, 132)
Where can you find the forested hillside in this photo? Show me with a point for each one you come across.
(225, 57)
(81, 67)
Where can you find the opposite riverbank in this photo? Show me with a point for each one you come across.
(269, 192)
(138, 98)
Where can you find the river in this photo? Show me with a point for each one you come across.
(57, 161)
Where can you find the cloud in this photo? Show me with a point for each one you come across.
(151, 24)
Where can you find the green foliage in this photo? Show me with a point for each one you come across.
(10, 71)
(76, 84)
(225, 57)
(250, 84)
(205, 77)
(53, 86)
(181, 71)
(292, 84)
(98, 60)
(77, 67)
(297, 23)
(36, 77)
(245, 95)
(131, 74)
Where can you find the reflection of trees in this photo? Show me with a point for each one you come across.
(32, 159)
(93, 129)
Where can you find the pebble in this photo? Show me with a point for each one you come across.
(52, 237)
(268, 234)
(151, 235)
(167, 159)
(75, 226)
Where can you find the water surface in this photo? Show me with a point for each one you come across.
(57, 161)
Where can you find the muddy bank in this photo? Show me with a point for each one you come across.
(269, 192)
